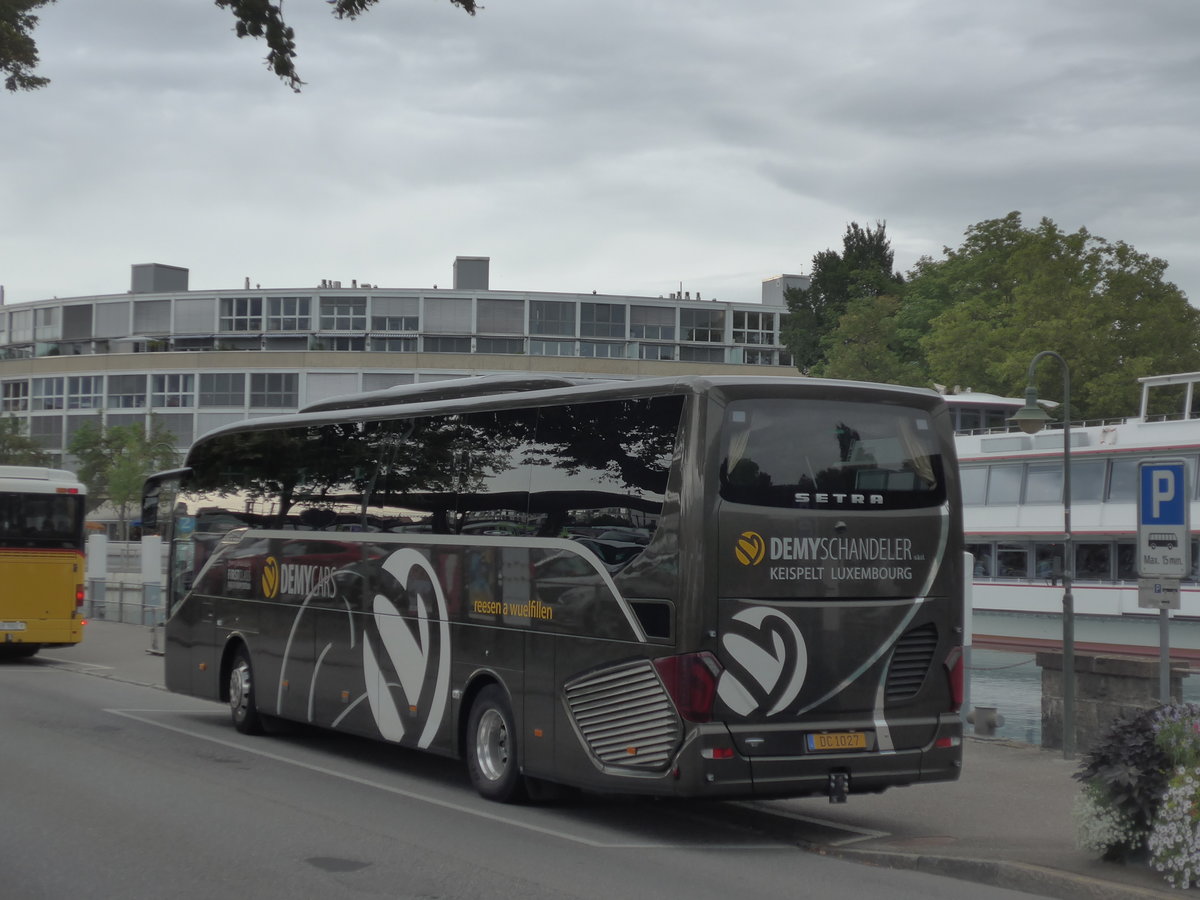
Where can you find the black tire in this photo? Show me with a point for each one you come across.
(243, 701)
(492, 748)
(19, 651)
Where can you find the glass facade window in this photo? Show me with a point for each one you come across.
(653, 323)
(602, 349)
(443, 344)
(602, 320)
(240, 314)
(753, 327)
(499, 345)
(500, 317)
(223, 389)
(343, 313)
(126, 391)
(14, 396)
(173, 391)
(45, 324)
(702, 354)
(274, 390)
(656, 351)
(47, 431)
(85, 392)
(551, 317)
(48, 393)
(702, 325)
(394, 323)
(394, 345)
(289, 314)
(344, 342)
(758, 357)
(551, 348)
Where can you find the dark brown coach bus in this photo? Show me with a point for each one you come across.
(700, 586)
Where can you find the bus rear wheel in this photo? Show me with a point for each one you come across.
(492, 748)
(243, 706)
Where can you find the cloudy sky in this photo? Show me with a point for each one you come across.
(624, 146)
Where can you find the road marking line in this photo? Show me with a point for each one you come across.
(433, 801)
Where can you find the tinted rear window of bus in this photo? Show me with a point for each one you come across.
(829, 454)
(41, 520)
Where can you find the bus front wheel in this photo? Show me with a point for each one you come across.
(492, 748)
(242, 702)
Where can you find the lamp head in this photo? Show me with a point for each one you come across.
(1030, 418)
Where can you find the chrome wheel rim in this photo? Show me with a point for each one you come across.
(239, 690)
(491, 745)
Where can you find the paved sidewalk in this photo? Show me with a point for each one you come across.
(1006, 822)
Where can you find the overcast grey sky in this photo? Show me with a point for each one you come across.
(624, 146)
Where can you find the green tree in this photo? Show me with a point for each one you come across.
(18, 51)
(17, 448)
(253, 18)
(862, 269)
(113, 463)
(871, 343)
(1010, 291)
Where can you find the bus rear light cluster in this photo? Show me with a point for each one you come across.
(955, 674)
(691, 680)
(79, 595)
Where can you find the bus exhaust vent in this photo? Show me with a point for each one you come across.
(910, 662)
(625, 716)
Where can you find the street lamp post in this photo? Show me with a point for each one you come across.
(1030, 420)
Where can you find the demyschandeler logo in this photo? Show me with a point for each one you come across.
(750, 548)
(837, 558)
(270, 578)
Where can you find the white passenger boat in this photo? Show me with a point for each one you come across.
(1014, 524)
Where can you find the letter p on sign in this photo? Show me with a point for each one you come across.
(1162, 490)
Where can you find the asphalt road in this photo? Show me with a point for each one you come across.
(116, 790)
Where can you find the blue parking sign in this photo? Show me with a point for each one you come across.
(1163, 495)
(1164, 537)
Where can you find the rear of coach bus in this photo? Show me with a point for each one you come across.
(835, 533)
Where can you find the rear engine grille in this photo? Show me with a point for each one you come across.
(910, 663)
(625, 717)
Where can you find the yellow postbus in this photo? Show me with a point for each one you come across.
(41, 559)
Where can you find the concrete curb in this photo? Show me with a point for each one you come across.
(1015, 876)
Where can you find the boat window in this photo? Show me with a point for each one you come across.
(1043, 483)
(1123, 486)
(1127, 562)
(1004, 485)
(983, 559)
(1012, 560)
(974, 485)
(1048, 562)
(1087, 481)
(1093, 562)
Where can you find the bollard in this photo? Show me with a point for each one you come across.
(986, 720)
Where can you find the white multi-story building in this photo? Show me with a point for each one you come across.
(199, 359)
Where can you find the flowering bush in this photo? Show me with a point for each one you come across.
(1141, 790)
(1101, 826)
(1174, 842)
